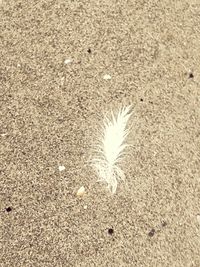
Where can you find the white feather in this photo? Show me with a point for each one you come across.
(111, 148)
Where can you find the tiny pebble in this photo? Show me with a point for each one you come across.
(85, 207)
(107, 77)
(152, 232)
(61, 168)
(81, 191)
(67, 61)
(9, 209)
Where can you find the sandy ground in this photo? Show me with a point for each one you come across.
(54, 55)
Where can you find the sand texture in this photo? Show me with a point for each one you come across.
(63, 66)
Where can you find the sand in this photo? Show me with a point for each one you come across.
(64, 65)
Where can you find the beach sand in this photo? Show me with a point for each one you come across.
(64, 66)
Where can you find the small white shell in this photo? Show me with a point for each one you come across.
(67, 61)
(81, 191)
(107, 77)
(61, 168)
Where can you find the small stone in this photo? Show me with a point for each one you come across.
(67, 61)
(61, 168)
(9, 209)
(85, 207)
(81, 191)
(152, 232)
(191, 75)
(110, 231)
(107, 77)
